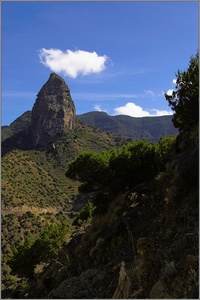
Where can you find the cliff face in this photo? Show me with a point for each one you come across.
(53, 111)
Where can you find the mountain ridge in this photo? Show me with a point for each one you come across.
(151, 128)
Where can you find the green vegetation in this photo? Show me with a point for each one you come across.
(41, 249)
(84, 216)
(16, 228)
(36, 178)
(26, 181)
(185, 99)
(150, 128)
(35, 190)
(18, 125)
(111, 172)
(106, 173)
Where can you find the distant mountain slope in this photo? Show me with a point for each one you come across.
(18, 125)
(151, 128)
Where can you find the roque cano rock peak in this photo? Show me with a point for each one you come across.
(53, 111)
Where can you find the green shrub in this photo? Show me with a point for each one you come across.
(85, 215)
(166, 148)
(41, 249)
(112, 172)
(133, 164)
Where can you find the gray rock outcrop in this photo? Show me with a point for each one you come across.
(53, 111)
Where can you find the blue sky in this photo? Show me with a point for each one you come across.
(117, 57)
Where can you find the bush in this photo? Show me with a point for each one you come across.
(165, 150)
(91, 169)
(133, 164)
(112, 172)
(85, 215)
(41, 249)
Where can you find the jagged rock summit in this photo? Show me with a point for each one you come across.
(53, 111)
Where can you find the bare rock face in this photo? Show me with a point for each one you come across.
(53, 111)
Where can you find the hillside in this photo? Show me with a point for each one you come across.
(143, 244)
(18, 125)
(21, 167)
(35, 190)
(35, 157)
(150, 128)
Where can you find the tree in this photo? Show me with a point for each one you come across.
(91, 169)
(112, 171)
(41, 249)
(184, 101)
(133, 164)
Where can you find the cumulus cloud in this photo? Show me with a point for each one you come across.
(72, 63)
(133, 110)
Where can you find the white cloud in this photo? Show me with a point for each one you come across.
(97, 107)
(157, 112)
(72, 63)
(133, 110)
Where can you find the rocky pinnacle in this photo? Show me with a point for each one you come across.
(53, 111)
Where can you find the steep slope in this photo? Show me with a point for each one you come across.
(37, 178)
(144, 246)
(35, 190)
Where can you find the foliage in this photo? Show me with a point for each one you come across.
(114, 170)
(36, 250)
(91, 169)
(165, 149)
(111, 172)
(184, 101)
(85, 214)
(133, 164)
